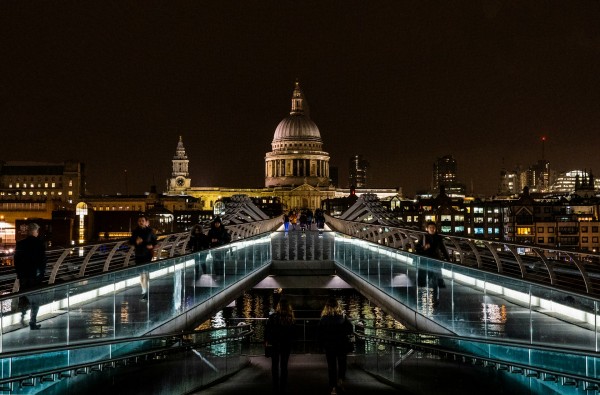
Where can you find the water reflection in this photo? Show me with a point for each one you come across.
(493, 318)
(97, 324)
(255, 306)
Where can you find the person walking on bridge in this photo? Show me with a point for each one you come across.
(334, 329)
(30, 264)
(143, 238)
(279, 335)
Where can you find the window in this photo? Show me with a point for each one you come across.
(478, 231)
(551, 229)
(490, 231)
(459, 229)
(584, 229)
(594, 239)
(550, 239)
(540, 240)
(446, 218)
(540, 229)
(584, 239)
(524, 231)
(478, 210)
(478, 220)
(594, 229)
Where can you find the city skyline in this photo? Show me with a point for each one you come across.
(402, 83)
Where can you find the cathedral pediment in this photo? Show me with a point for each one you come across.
(304, 187)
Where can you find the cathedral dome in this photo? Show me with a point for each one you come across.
(297, 126)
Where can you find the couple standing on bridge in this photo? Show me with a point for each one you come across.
(334, 333)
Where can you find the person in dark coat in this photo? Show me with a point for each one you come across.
(333, 331)
(432, 245)
(198, 242)
(218, 236)
(143, 238)
(279, 335)
(30, 264)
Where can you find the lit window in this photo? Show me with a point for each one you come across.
(478, 231)
(31, 185)
(53, 185)
(45, 185)
(70, 193)
(524, 231)
(59, 193)
(10, 185)
(70, 183)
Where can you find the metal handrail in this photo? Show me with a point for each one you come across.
(77, 262)
(173, 342)
(410, 339)
(557, 267)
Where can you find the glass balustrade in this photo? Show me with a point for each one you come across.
(110, 305)
(471, 302)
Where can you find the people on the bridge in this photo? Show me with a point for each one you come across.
(303, 220)
(293, 219)
(333, 332)
(432, 244)
(30, 265)
(320, 220)
(279, 336)
(198, 242)
(218, 236)
(309, 219)
(286, 223)
(143, 238)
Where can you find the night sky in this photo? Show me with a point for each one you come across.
(113, 84)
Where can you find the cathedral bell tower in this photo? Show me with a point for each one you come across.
(180, 177)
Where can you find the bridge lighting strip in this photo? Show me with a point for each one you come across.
(532, 301)
(74, 300)
(544, 305)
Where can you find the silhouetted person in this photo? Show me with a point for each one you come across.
(218, 236)
(143, 238)
(198, 242)
(30, 264)
(279, 333)
(334, 329)
(432, 245)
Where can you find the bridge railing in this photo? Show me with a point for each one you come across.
(386, 349)
(79, 261)
(566, 269)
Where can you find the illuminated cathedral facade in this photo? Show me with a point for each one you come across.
(296, 169)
